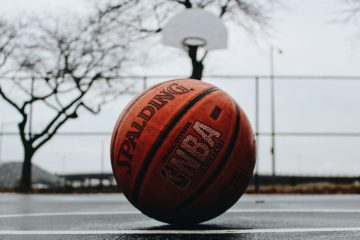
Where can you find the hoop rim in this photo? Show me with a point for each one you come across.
(194, 42)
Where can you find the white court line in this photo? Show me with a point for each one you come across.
(181, 232)
(49, 214)
(295, 210)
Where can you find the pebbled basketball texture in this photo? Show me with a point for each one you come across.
(183, 152)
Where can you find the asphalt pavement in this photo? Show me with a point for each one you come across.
(110, 216)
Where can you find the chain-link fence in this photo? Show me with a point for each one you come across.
(315, 130)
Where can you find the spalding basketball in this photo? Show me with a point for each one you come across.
(183, 152)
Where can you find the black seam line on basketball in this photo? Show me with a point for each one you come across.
(219, 168)
(123, 117)
(161, 138)
(117, 130)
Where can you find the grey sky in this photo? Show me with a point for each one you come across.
(313, 45)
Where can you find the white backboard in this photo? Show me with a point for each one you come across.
(195, 23)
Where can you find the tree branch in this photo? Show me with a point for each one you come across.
(185, 3)
(11, 102)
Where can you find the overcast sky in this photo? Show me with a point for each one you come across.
(313, 44)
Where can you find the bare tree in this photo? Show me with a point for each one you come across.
(251, 15)
(71, 64)
(352, 11)
(7, 36)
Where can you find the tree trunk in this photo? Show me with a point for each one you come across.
(25, 182)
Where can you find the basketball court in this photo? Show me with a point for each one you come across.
(112, 217)
(196, 156)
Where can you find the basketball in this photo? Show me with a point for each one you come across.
(183, 151)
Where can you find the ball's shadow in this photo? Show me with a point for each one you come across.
(213, 236)
(189, 227)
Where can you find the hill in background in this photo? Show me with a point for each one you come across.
(10, 174)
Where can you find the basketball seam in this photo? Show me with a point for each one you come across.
(140, 176)
(219, 168)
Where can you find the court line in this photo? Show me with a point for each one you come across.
(295, 210)
(49, 214)
(179, 232)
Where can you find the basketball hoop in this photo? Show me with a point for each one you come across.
(194, 42)
(196, 31)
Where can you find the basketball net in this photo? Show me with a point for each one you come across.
(192, 44)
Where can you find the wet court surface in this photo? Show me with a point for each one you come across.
(112, 217)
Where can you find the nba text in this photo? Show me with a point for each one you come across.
(193, 157)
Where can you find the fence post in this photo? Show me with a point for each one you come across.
(145, 83)
(272, 103)
(257, 178)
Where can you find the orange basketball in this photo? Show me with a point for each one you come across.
(183, 152)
